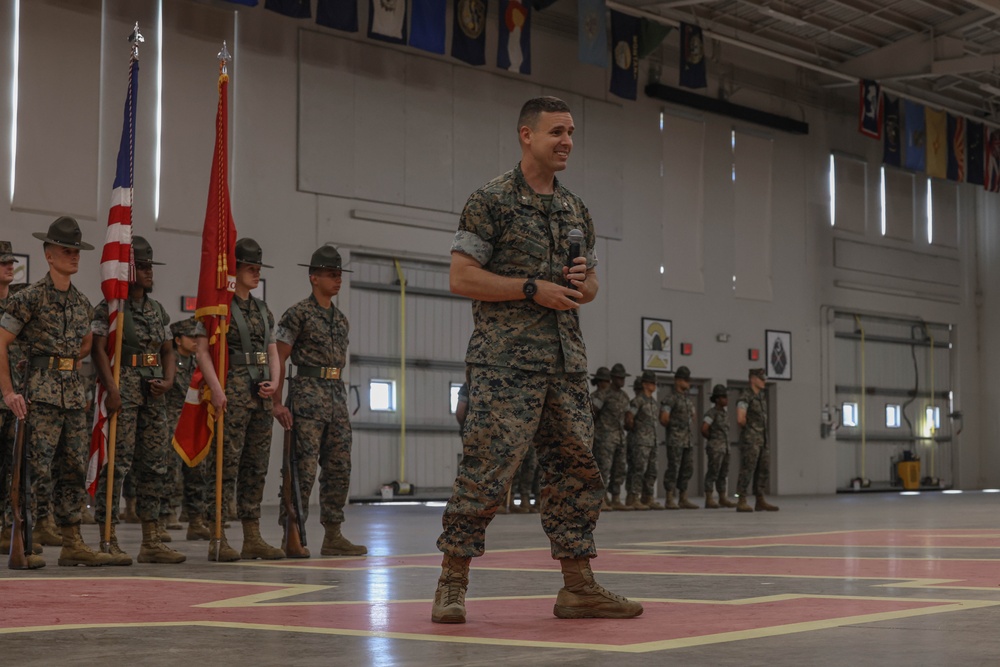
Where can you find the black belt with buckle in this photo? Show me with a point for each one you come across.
(54, 363)
(321, 372)
(144, 360)
(248, 358)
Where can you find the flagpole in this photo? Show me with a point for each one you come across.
(224, 58)
(135, 39)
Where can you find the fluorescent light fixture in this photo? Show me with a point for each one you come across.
(930, 214)
(833, 193)
(159, 110)
(952, 491)
(662, 269)
(881, 187)
(991, 490)
(909, 493)
(13, 95)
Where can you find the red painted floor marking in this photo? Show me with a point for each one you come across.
(981, 573)
(946, 538)
(113, 601)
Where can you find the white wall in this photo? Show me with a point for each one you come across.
(289, 224)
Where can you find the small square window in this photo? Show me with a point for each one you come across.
(849, 414)
(893, 416)
(933, 417)
(382, 395)
(455, 387)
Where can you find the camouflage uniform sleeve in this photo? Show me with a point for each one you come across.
(666, 407)
(270, 327)
(633, 407)
(597, 401)
(289, 327)
(99, 322)
(709, 419)
(18, 313)
(477, 230)
(743, 404)
(591, 237)
(167, 335)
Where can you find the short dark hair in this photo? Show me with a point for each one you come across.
(533, 108)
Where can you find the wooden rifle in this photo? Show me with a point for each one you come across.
(20, 491)
(294, 541)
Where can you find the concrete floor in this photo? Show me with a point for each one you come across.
(878, 579)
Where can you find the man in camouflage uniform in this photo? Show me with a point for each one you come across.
(715, 429)
(191, 482)
(251, 381)
(640, 419)
(677, 415)
(610, 405)
(142, 445)
(52, 319)
(528, 383)
(755, 459)
(314, 333)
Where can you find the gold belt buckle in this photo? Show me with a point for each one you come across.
(260, 358)
(150, 360)
(330, 373)
(66, 364)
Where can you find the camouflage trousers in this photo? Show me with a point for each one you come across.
(323, 448)
(716, 467)
(680, 467)
(642, 469)
(7, 422)
(196, 489)
(510, 411)
(525, 480)
(755, 465)
(142, 452)
(58, 451)
(246, 452)
(609, 450)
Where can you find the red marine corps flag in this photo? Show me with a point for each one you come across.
(216, 284)
(116, 270)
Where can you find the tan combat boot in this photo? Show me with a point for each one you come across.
(710, 503)
(651, 503)
(161, 530)
(130, 515)
(254, 545)
(221, 551)
(582, 597)
(449, 598)
(335, 544)
(725, 501)
(45, 532)
(634, 503)
(605, 505)
(618, 506)
(764, 506)
(170, 521)
(742, 505)
(118, 556)
(686, 504)
(198, 530)
(5, 536)
(153, 550)
(671, 502)
(75, 552)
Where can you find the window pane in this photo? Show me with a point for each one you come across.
(381, 395)
(892, 416)
(455, 386)
(849, 414)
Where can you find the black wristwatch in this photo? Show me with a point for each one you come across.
(530, 289)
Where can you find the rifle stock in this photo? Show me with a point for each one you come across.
(294, 541)
(20, 497)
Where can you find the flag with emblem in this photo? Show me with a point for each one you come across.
(592, 32)
(116, 270)
(956, 148)
(992, 182)
(693, 73)
(216, 284)
(651, 35)
(387, 20)
(915, 136)
(337, 14)
(870, 109)
(624, 55)
(468, 35)
(975, 150)
(514, 37)
(937, 143)
(297, 9)
(892, 149)
(428, 25)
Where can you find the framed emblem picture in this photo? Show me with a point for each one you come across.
(21, 273)
(778, 354)
(657, 345)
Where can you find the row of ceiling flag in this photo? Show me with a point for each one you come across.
(632, 37)
(930, 141)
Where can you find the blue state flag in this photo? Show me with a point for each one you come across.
(427, 25)
(592, 32)
(514, 38)
(338, 14)
(297, 9)
(468, 41)
(625, 48)
(915, 133)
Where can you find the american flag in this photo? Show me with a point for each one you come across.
(117, 268)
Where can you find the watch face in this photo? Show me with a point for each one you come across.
(530, 288)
